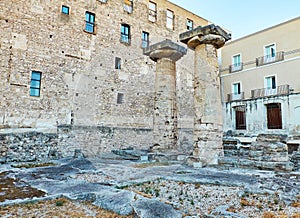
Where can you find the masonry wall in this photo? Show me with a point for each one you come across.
(80, 85)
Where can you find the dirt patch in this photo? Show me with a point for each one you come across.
(11, 189)
(57, 208)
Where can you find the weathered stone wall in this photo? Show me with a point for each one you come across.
(80, 84)
(268, 152)
(29, 146)
(94, 141)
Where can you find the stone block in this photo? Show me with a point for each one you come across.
(148, 208)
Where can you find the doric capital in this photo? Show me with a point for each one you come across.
(165, 49)
(210, 34)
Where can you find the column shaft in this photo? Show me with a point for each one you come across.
(207, 106)
(165, 109)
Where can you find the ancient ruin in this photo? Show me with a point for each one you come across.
(207, 101)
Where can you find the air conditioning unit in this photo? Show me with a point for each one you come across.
(103, 1)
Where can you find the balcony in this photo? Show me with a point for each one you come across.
(279, 90)
(235, 97)
(235, 67)
(279, 56)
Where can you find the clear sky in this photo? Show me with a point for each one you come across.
(243, 17)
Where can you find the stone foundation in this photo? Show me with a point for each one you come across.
(268, 152)
(92, 141)
(29, 146)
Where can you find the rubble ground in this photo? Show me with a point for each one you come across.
(92, 187)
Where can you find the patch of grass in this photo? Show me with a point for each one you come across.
(60, 202)
(33, 165)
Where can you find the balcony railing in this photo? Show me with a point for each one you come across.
(279, 56)
(235, 67)
(279, 90)
(235, 97)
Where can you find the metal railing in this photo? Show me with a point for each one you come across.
(279, 90)
(235, 97)
(235, 67)
(279, 56)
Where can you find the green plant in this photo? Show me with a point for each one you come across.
(59, 203)
(192, 202)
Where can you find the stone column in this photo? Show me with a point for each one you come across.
(207, 100)
(165, 129)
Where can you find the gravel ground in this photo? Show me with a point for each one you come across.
(193, 192)
(195, 199)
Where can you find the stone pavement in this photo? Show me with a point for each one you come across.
(99, 181)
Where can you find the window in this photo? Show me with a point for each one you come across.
(236, 63)
(170, 19)
(236, 88)
(189, 24)
(236, 92)
(89, 22)
(120, 98)
(145, 39)
(128, 6)
(125, 33)
(270, 86)
(240, 117)
(65, 9)
(152, 11)
(274, 116)
(270, 53)
(118, 63)
(35, 83)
